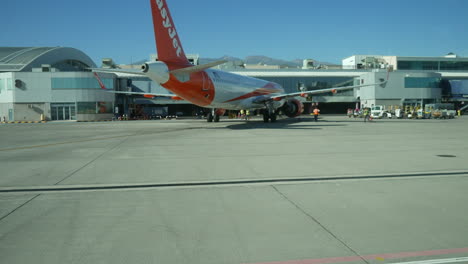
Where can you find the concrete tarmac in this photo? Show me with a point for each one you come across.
(187, 191)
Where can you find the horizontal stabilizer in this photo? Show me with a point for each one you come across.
(128, 71)
(183, 74)
(198, 67)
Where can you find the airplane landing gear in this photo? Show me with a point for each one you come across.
(269, 116)
(273, 117)
(209, 117)
(266, 116)
(270, 113)
(215, 115)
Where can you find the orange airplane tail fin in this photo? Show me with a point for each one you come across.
(168, 43)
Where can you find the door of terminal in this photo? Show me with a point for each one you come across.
(63, 111)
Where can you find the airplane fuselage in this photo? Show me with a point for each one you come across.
(219, 89)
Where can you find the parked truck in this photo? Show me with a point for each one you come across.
(378, 111)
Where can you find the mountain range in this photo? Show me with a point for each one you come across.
(259, 59)
(262, 60)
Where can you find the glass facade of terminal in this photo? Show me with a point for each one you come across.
(68, 111)
(433, 65)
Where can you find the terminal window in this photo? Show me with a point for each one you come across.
(9, 84)
(95, 107)
(422, 82)
(80, 83)
(433, 65)
(454, 65)
(86, 108)
(418, 65)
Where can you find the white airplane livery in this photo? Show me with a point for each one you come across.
(210, 88)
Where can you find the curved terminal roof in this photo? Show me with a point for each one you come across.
(25, 58)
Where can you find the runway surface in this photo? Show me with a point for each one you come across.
(187, 191)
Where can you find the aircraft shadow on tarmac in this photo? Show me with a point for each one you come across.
(282, 124)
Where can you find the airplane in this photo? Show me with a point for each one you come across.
(211, 88)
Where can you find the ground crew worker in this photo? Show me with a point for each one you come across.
(316, 113)
(242, 114)
(247, 114)
(366, 114)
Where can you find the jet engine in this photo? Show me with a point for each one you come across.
(292, 108)
(157, 71)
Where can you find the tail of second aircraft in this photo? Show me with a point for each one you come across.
(168, 43)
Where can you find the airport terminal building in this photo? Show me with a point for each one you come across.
(51, 83)
(54, 83)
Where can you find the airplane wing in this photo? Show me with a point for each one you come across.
(147, 95)
(333, 90)
(141, 93)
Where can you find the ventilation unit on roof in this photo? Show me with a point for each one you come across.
(108, 63)
(451, 55)
(308, 64)
(45, 67)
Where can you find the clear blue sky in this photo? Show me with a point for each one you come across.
(328, 30)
